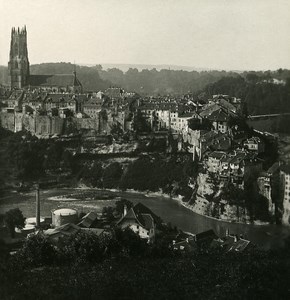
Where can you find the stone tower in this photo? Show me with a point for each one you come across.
(18, 65)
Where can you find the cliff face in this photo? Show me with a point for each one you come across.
(128, 148)
(209, 201)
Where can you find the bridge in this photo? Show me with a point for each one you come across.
(255, 117)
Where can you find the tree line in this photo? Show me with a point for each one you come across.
(263, 91)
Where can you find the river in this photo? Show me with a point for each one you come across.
(266, 236)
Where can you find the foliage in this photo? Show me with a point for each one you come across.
(108, 213)
(27, 154)
(36, 251)
(112, 175)
(83, 247)
(147, 173)
(213, 274)
(93, 175)
(234, 195)
(258, 90)
(4, 133)
(14, 218)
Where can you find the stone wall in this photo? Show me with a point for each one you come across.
(28, 123)
(47, 125)
(7, 120)
(86, 123)
(39, 125)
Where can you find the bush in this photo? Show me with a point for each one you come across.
(83, 247)
(37, 251)
(112, 175)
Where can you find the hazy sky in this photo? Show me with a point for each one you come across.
(216, 34)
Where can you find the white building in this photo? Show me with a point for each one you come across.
(285, 177)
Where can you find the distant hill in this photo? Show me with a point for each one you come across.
(140, 67)
(148, 79)
(89, 76)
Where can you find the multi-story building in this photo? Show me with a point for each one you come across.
(255, 144)
(285, 184)
(92, 107)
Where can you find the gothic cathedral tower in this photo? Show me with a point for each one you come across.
(18, 65)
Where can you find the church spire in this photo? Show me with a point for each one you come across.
(18, 64)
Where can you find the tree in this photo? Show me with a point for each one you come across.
(84, 247)
(108, 213)
(112, 175)
(235, 196)
(37, 251)
(14, 218)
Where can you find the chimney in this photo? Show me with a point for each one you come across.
(37, 206)
(125, 210)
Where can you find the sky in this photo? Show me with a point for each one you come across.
(214, 34)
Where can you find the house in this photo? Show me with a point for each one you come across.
(214, 161)
(89, 220)
(60, 101)
(255, 144)
(34, 99)
(187, 245)
(114, 92)
(219, 119)
(189, 242)
(205, 238)
(92, 107)
(231, 243)
(56, 235)
(141, 220)
(14, 100)
(181, 121)
(285, 188)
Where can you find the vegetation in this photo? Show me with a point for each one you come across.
(258, 90)
(263, 92)
(124, 267)
(14, 218)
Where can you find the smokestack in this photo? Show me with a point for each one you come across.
(37, 206)
(125, 210)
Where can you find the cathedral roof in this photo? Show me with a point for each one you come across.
(60, 80)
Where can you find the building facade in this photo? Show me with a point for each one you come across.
(18, 65)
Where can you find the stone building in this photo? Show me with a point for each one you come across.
(19, 71)
(285, 184)
(18, 65)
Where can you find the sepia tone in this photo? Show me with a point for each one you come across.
(144, 149)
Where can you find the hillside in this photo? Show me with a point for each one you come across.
(263, 92)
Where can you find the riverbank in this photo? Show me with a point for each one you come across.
(178, 199)
(169, 209)
(195, 210)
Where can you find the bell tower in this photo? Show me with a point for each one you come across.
(18, 65)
